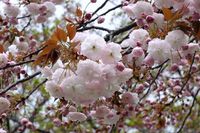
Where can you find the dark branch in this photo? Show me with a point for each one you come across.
(94, 27)
(100, 7)
(189, 113)
(18, 64)
(19, 81)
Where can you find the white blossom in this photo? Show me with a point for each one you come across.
(158, 19)
(33, 8)
(76, 116)
(54, 89)
(92, 47)
(142, 8)
(159, 50)
(3, 60)
(140, 36)
(112, 53)
(176, 39)
(4, 104)
(163, 3)
(11, 10)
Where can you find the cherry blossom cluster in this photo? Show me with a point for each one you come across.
(144, 75)
(142, 9)
(98, 76)
(42, 11)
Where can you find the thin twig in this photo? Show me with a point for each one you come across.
(100, 7)
(19, 81)
(36, 88)
(189, 113)
(94, 27)
(18, 64)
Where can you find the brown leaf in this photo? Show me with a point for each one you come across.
(161, 123)
(1, 48)
(183, 26)
(48, 49)
(60, 35)
(198, 35)
(46, 55)
(79, 13)
(71, 29)
(170, 16)
(167, 13)
(50, 42)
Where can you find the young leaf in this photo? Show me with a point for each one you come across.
(167, 13)
(71, 29)
(60, 35)
(1, 48)
(79, 13)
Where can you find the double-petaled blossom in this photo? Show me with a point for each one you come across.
(163, 3)
(177, 39)
(112, 53)
(54, 89)
(11, 10)
(33, 8)
(139, 9)
(76, 116)
(142, 8)
(159, 50)
(130, 98)
(158, 19)
(4, 104)
(3, 59)
(140, 36)
(93, 46)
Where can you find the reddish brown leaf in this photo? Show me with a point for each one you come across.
(60, 35)
(1, 48)
(183, 26)
(167, 13)
(47, 50)
(46, 54)
(79, 13)
(71, 29)
(198, 35)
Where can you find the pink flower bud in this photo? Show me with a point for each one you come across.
(57, 122)
(88, 16)
(93, 1)
(149, 61)
(29, 125)
(102, 111)
(174, 67)
(24, 121)
(149, 19)
(137, 52)
(120, 66)
(177, 89)
(100, 20)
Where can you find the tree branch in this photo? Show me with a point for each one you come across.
(189, 113)
(20, 81)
